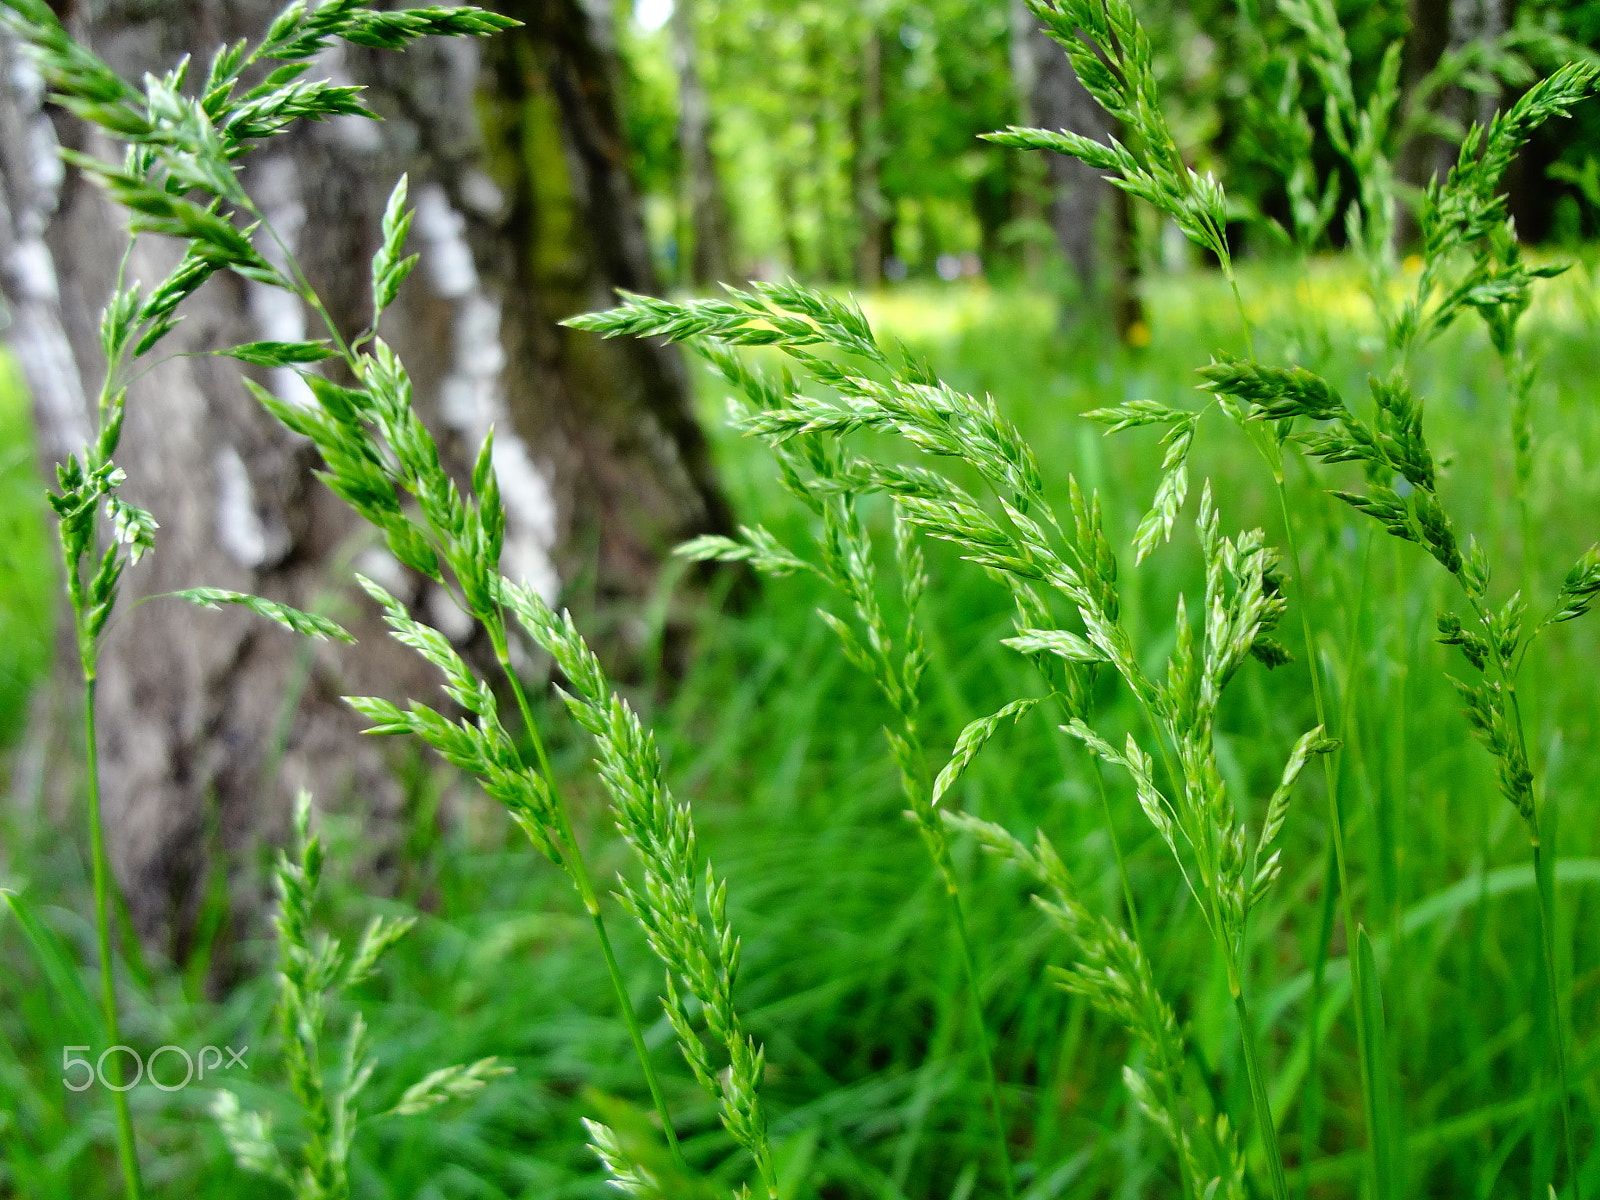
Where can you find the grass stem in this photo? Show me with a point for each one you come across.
(1335, 820)
(1007, 1180)
(127, 1152)
(1174, 1114)
(1311, 1104)
(1258, 1094)
(573, 860)
(1116, 848)
(1558, 1030)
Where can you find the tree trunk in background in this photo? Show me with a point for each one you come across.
(1091, 219)
(1439, 27)
(705, 215)
(1474, 21)
(784, 184)
(525, 215)
(1031, 169)
(1426, 43)
(872, 212)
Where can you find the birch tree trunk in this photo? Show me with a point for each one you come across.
(525, 215)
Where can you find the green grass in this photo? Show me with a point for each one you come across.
(27, 581)
(851, 977)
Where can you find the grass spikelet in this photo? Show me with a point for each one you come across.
(314, 973)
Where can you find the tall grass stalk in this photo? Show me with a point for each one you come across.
(314, 975)
(1288, 142)
(127, 1152)
(1096, 31)
(378, 454)
(843, 557)
(1033, 554)
(1461, 216)
(981, 1031)
(1058, 570)
(90, 515)
(1337, 877)
(573, 858)
(1330, 776)
(1464, 213)
(1114, 975)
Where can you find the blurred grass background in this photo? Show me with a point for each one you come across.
(27, 601)
(849, 974)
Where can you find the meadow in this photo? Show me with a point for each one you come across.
(850, 976)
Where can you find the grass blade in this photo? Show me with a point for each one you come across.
(58, 966)
(1375, 1051)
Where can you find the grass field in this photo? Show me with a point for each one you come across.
(850, 978)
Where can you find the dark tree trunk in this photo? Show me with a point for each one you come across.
(525, 215)
(705, 215)
(1031, 169)
(1428, 39)
(1439, 27)
(1091, 219)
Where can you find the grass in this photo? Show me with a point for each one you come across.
(27, 580)
(851, 978)
(1188, 1071)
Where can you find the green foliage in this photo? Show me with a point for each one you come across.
(833, 488)
(54, 960)
(1113, 58)
(1026, 549)
(384, 463)
(1211, 751)
(1463, 216)
(787, 83)
(292, 619)
(26, 584)
(848, 971)
(1300, 109)
(313, 974)
(701, 954)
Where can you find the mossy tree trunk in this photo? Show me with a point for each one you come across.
(525, 215)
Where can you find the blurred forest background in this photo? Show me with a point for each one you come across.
(839, 142)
